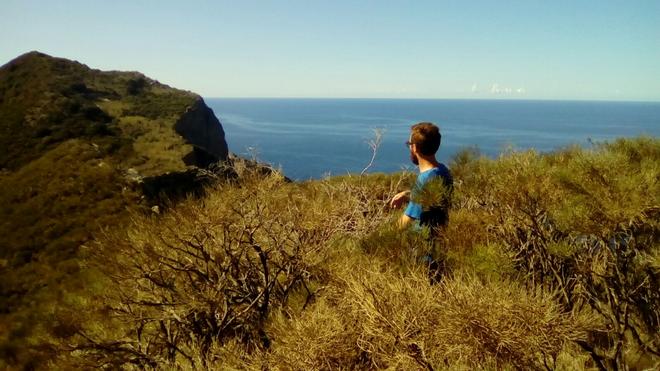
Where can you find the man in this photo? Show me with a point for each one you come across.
(423, 144)
(428, 201)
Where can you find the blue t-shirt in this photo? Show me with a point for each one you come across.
(432, 215)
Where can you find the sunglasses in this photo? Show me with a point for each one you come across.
(409, 143)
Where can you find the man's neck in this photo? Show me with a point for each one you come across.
(427, 163)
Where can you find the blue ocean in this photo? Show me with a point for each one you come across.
(313, 138)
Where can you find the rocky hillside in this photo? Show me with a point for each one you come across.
(79, 148)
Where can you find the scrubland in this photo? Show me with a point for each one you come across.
(549, 261)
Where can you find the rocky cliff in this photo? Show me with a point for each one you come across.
(199, 126)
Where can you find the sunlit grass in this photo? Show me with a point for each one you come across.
(534, 272)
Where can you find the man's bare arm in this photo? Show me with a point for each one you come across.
(404, 221)
(399, 199)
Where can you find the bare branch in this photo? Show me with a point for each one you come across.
(374, 144)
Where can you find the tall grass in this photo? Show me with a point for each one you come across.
(551, 261)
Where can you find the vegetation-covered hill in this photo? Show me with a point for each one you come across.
(550, 261)
(78, 148)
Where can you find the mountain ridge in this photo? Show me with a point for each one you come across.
(76, 144)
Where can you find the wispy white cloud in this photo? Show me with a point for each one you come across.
(506, 90)
(475, 88)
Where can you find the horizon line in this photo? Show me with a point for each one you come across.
(426, 98)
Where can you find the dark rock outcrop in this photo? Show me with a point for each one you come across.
(202, 129)
(164, 189)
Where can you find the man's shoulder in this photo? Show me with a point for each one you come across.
(442, 170)
(439, 171)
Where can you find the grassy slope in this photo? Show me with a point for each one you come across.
(68, 134)
(546, 258)
(344, 290)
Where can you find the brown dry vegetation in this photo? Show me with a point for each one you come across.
(551, 262)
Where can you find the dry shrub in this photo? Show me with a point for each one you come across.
(601, 190)
(491, 262)
(581, 223)
(206, 274)
(465, 230)
(545, 253)
(382, 319)
(320, 339)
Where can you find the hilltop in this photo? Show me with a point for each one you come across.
(82, 149)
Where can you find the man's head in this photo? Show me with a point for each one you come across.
(424, 141)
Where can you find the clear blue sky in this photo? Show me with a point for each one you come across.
(402, 49)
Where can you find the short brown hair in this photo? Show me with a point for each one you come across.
(426, 137)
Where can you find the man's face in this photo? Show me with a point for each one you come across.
(413, 157)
